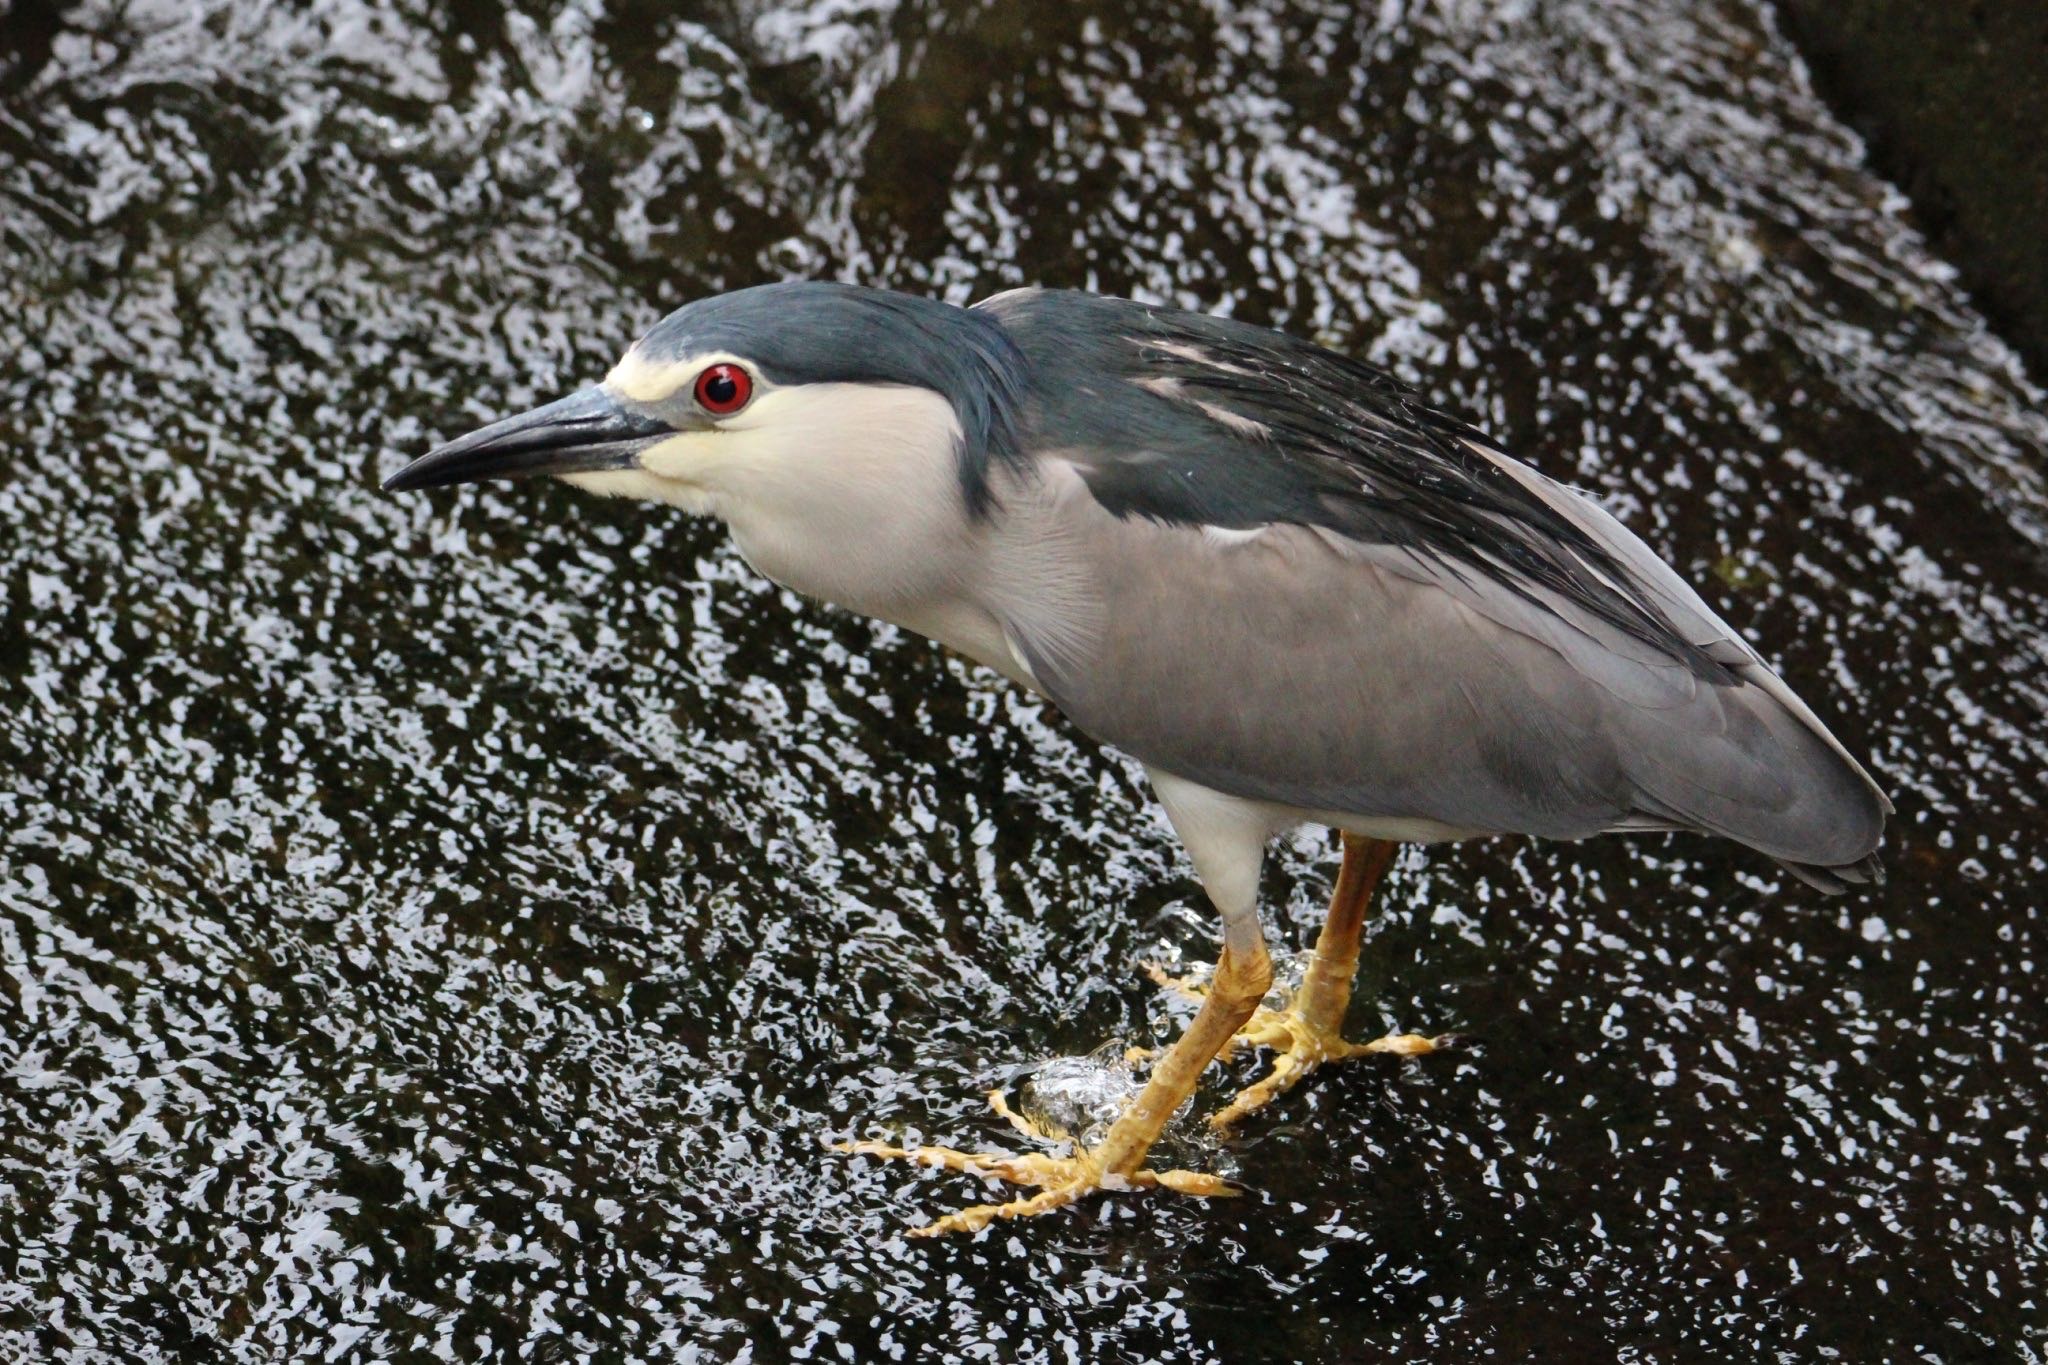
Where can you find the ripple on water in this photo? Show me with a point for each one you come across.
(449, 926)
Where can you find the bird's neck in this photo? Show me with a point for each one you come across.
(851, 497)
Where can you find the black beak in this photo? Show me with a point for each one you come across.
(586, 431)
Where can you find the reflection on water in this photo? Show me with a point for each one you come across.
(448, 926)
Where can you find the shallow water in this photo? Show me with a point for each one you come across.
(446, 926)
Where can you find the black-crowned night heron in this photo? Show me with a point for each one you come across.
(1269, 572)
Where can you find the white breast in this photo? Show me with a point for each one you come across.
(849, 493)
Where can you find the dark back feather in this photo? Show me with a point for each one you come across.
(1197, 420)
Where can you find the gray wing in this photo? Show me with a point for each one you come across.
(1407, 626)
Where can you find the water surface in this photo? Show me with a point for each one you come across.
(447, 926)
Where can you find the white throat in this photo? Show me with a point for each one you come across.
(845, 492)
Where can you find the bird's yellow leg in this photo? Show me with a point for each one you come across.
(1308, 1032)
(1117, 1163)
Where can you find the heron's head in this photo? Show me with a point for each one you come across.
(790, 393)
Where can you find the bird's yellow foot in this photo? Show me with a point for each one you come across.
(1060, 1180)
(1303, 1037)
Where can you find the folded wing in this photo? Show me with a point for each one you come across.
(1319, 592)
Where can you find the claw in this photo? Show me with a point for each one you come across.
(1062, 1180)
(1303, 1046)
(1302, 1043)
(1029, 1127)
(1117, 1161)
(1192, 986)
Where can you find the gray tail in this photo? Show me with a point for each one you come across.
(1833, 881)
(1765, 772)
(1784, 787)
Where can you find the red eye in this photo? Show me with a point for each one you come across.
(723, 390)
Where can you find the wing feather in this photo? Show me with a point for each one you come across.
(1320, 592)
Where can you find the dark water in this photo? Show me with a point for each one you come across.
(446, 927)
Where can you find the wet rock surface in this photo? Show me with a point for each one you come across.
(1952, 101)
(448, 926)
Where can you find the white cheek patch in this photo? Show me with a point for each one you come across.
(615, 483)
(638, 483)
(675, 457)
(801, 462)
